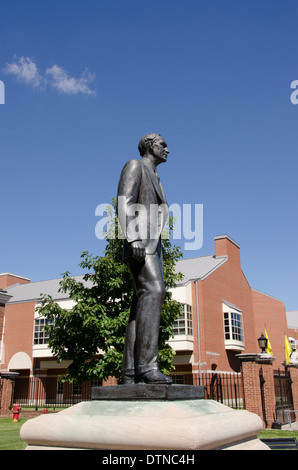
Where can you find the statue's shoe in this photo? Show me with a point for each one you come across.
(154, 377)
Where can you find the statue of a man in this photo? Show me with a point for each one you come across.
(142, 211)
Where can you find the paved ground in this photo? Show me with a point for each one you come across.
(293, 427)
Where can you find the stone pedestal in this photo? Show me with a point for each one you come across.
(148, 392)
(145, 423)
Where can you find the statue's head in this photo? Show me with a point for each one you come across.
(146, 142)
(155, 145)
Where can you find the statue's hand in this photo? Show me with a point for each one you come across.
(138, 250)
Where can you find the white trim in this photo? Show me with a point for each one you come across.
(16, 275)
(231, 306)
(182, 343)
(54, 365)
(20, 360)
(183, 359)
(221, 237)
(41, 350)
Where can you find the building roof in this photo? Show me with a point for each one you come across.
(192, 269)
(34, 290)
(4, 297)
(199, 268)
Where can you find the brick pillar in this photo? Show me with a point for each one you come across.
(293, 369)
(6, 395)
(7, 382)
(251, 383)
(268, 392)
(258, 385)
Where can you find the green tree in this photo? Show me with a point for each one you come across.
(92, 333)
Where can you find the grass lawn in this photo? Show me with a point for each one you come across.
(10, 434)
(277, 434)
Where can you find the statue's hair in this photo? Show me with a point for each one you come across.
(145, 142)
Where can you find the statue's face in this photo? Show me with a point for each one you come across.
(160, 150)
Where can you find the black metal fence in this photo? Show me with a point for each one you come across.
(49, 392)
(283, 396)
(224, 387)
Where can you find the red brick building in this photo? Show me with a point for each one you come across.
(222, 316)
(228, 313)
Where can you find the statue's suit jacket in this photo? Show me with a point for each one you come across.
(141, 206)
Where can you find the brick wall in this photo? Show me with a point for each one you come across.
(271, 312)
(226, 283)
(7, 280)
(19, 327)
(229, 283)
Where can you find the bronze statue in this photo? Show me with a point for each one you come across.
(142, 211)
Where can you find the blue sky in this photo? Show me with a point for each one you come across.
(85, 80)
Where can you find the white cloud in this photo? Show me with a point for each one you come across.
(62, 82)
(26, 71)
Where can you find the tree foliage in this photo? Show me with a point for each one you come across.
(92, 333)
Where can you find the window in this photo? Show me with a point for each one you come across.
(233, 327)
(183, 324)
(40, 335)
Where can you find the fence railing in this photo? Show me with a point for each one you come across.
(224, 387)
(283, 396)
(49, 392)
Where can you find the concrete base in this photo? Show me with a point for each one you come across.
(145, 425)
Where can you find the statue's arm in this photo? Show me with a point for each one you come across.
(128, 194)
